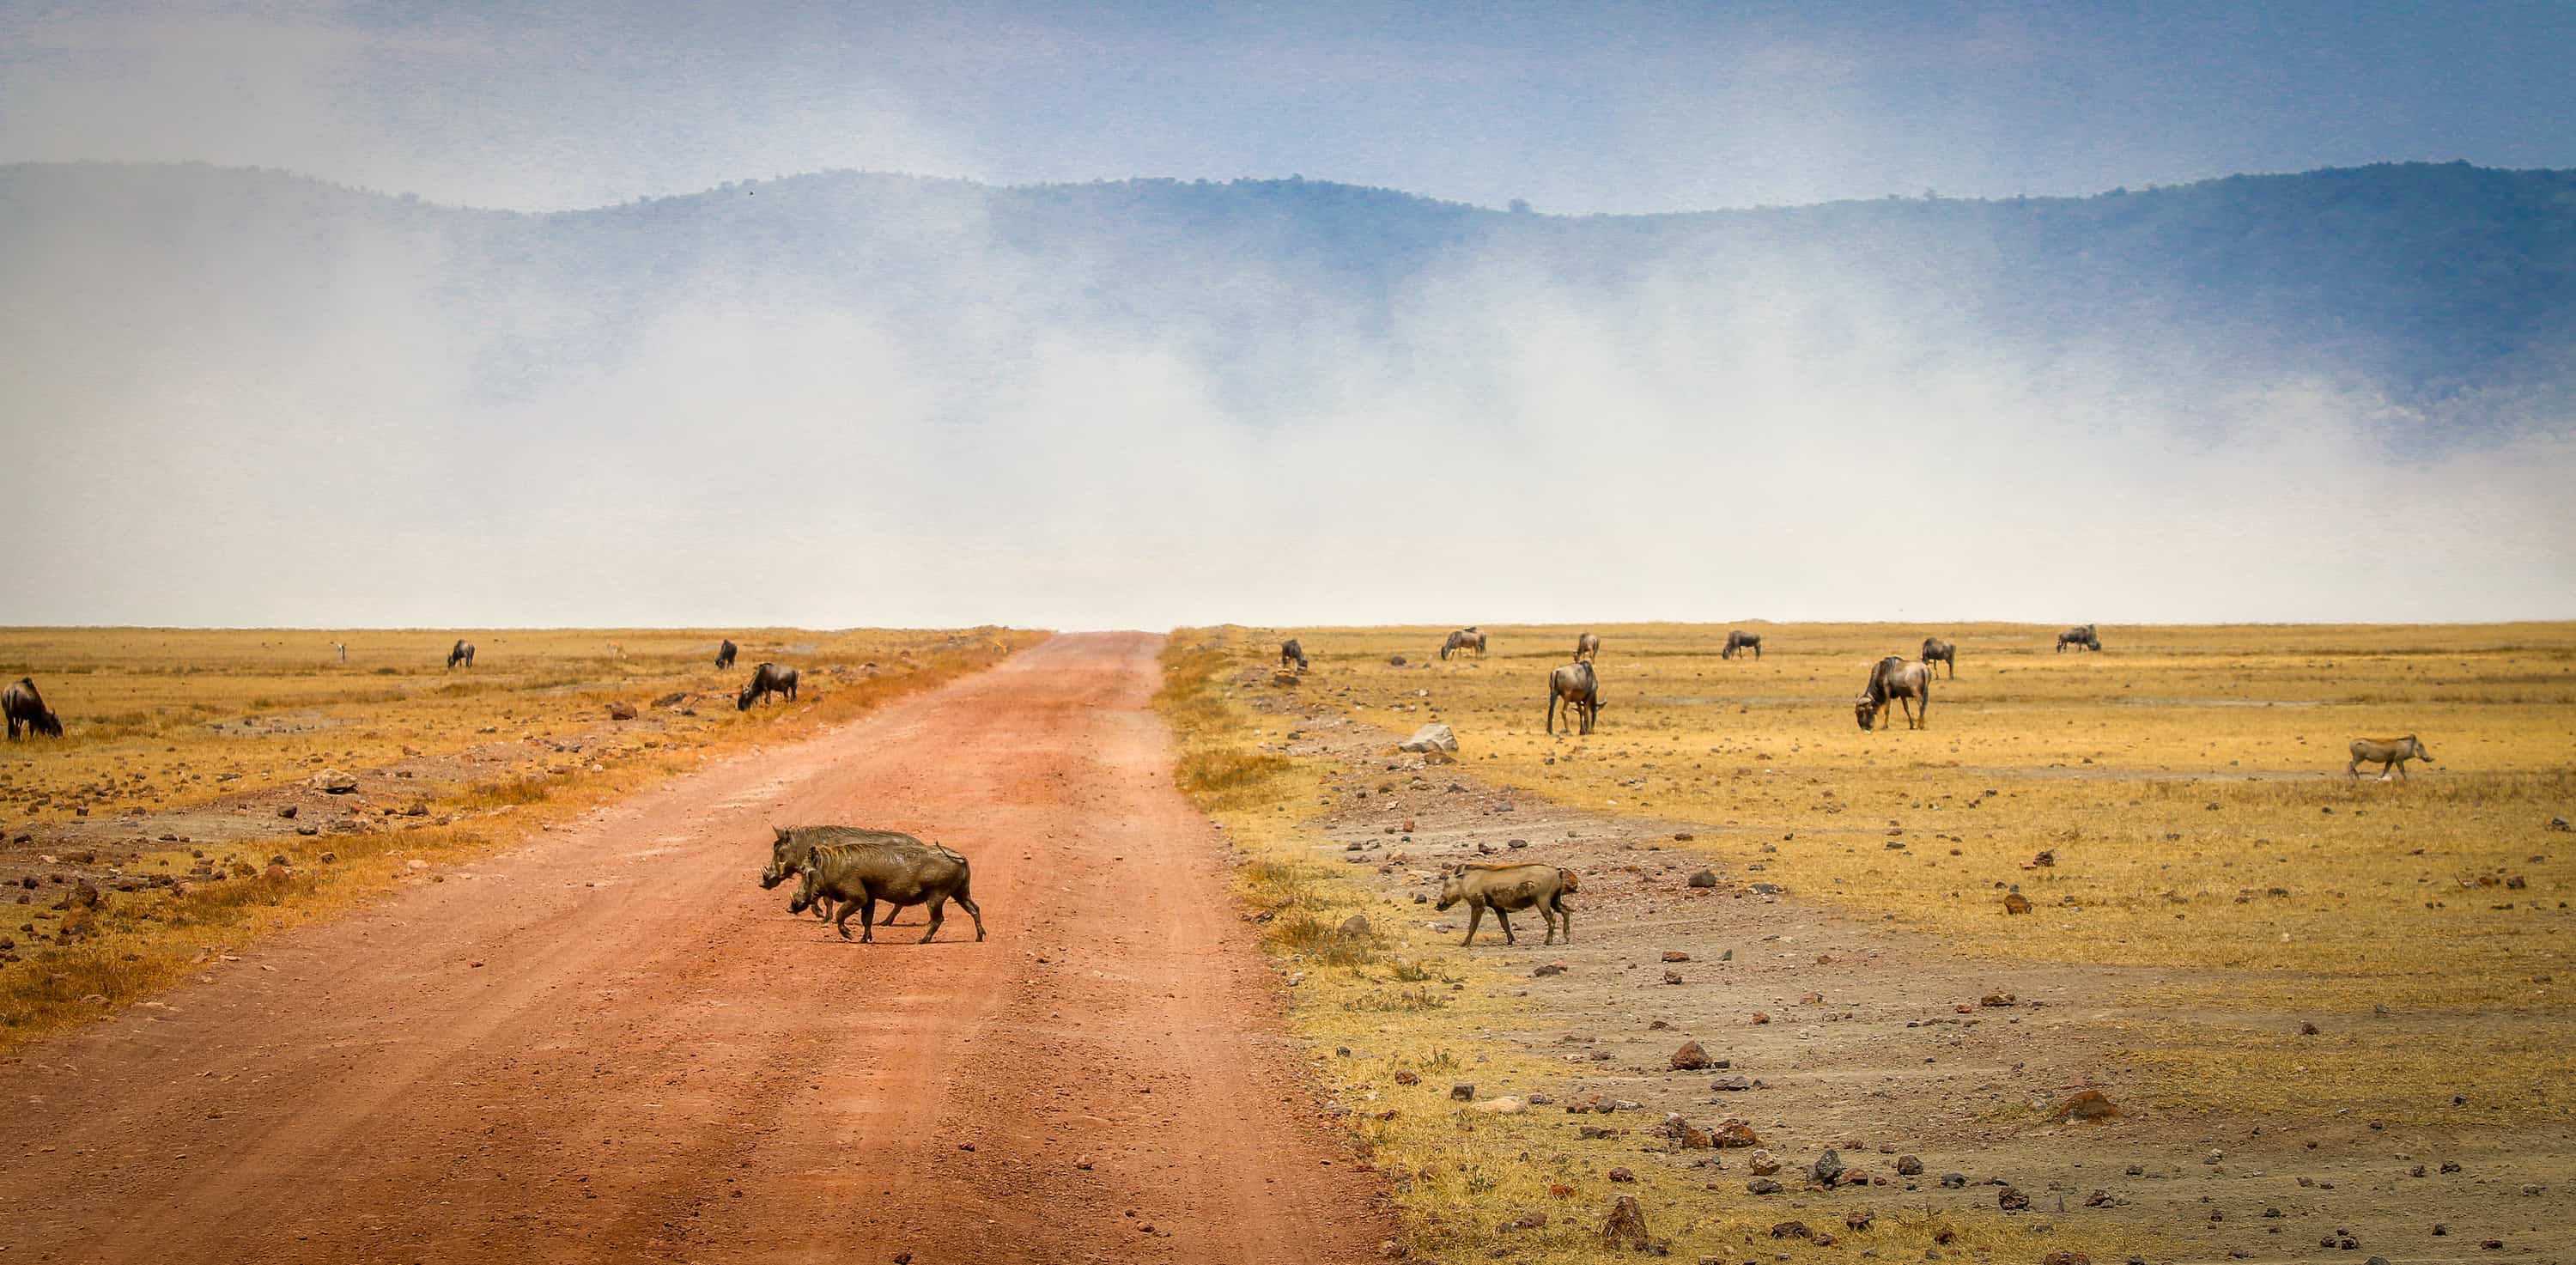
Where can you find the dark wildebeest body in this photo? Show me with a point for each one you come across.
(1741, 640)
(2084, 637)
(1290, 652)
(767, 679)
(1587, 646)
(1467, 638)
(724, 655)
(1907, 683)
(1579, 688)
(861, 867)
(27, 708)
(2387, 753)
(461, 652)
(1936, 650)
(1503, 888)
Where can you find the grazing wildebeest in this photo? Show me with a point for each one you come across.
(2387, 753)
(1936, 650)
(461, 652)
(1503, 888)
(1587, 646)
(1741, 640)
(1576, 686)
(1907, 683)
(1290, 652)
(767, 679)
(1467, 638)
(27, 708)
(861, 867)
(724, 655)
(2084, 637)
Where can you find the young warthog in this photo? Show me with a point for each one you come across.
(1503, 888)
(861, 867)
(2387, 753)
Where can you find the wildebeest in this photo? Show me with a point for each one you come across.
(1290, 652)
(1907, 683)
(861, 867)
(27, 708)
(1741, 640)
(1936, 650)
(1587, 646)
(2083, 636)
(461, 652)
(724, 655)
(1503, 888)
(767, 679)
(1467, 638)
(2387, 753)
(1576, 686)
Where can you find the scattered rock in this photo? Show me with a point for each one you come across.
(1551, 968)
(1763, 1186)
(334, 781)
(1622, 1175)
(1395, 660)
(1432, 737)
(621, 710)
(2087, 1104)
(1504, 1106)
(1690, 1058)
(2066, 1258)
(1908, 1166)
(1672, 977)
(1997, 999)
(1355, 927)
(1703, 878)
(2016, 903)
(288, 812)
(1675, 955)
(2010, 1199)
(1792, 1230)
(1732, 1134)
(1762, 1163)
(1626, 1228)
(1858, 1219)
(1681, 1131)
(1462, 1092)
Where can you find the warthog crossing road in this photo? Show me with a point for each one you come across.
(859, 867)
(1907, 683)
(2388, 753)
(26, 708)
(1504, 888)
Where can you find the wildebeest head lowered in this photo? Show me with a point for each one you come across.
(26, 708)
(1909, 684)
(461, 652)
(725, 654)
(767, 679)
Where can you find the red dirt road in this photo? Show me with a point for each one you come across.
(612, 1045)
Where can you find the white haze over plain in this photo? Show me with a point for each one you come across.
(1780, 448)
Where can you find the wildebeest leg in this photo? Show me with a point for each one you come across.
(1504, 917)
(1551, 714)
(1475, 919)
(935, 917)
(967, 903)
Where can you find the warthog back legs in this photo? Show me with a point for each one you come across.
(1506, 921)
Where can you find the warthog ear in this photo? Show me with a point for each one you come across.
(782, 833)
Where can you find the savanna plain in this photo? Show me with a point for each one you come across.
(2112, 958)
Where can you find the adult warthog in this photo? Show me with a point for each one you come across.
(1936, 650)
(725, 652)
(2387, 753)
(2083, 638)
(1464, 639)
(767, 679)
(1909, 684)
(27, 708)
(1579, 688)
(1741, 640)
(1587, 646)
(461, 652)
(858, 868)
(1504, 888)
(1290, 652)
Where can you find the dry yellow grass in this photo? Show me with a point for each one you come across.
(1404, 999)
(2189, 782)
(155, 726)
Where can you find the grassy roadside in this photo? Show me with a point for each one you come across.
(1399, 1001)
(84, 949)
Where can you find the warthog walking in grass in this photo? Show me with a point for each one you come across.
(461, 652)
(1741, 640)
(2388, 753)
(767, 679)
(1936, 650)
(1290, 652)
(858, 868)
(1576, 686)
(1908, 684)
(724, 654)
(1504, 888)
(27, 708)
(1467, 638)
(2083, 638)
(1587, 646)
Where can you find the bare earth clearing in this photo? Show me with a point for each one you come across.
(609, 1044)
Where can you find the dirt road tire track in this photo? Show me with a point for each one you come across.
(611, 1045)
